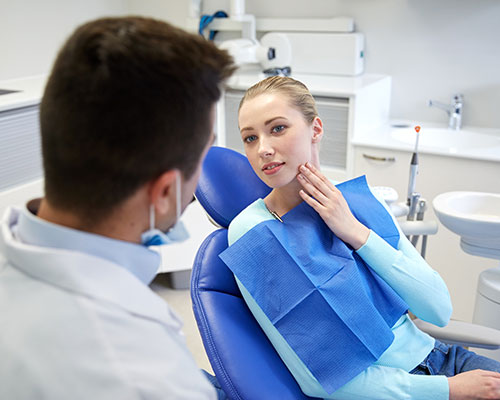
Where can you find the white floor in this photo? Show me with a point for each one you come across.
(180, 301)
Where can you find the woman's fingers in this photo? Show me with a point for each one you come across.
(330, 204)
(311, 201)
(317, 178)
(312, 189)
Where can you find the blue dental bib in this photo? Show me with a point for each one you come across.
(331, 308)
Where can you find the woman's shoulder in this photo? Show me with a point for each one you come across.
(251, 216)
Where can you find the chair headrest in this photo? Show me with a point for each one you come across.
(227, 185)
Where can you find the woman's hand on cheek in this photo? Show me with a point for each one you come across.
(329, 203)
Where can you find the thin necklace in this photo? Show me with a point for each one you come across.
(273, 213)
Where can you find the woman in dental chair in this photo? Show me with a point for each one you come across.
(330, 277)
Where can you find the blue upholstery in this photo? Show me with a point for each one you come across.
(243, 359)
(227, 185)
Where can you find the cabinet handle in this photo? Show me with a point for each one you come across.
(383, 159)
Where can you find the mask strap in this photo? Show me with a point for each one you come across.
(177, 203)
(151, 216)
(178, 196)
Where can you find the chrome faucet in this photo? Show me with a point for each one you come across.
(454, 110)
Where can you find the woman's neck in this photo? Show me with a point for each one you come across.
(283, 199)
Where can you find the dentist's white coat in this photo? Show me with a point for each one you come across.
(75, 326)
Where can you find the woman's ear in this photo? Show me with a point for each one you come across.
(162, 191)
(317, 126)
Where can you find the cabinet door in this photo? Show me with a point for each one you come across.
(20, 151)
(334, 113)
(232, 136)
(383, 168)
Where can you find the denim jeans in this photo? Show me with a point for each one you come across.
(450, 360)
(215, 383)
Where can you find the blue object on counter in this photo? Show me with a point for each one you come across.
(331, 308)
(205, 20)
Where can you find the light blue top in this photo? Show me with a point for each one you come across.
(414, 280)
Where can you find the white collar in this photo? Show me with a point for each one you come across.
(82, 272)
(137, 259)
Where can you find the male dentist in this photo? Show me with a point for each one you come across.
(126, 120)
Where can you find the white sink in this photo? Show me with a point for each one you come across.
(448, 138)
(475, 216)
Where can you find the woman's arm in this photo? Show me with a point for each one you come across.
(410, 276)
(403, 269)
(377, 382)
(471, 385)
(381, 383)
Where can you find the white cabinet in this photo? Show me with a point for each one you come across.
(437, 174)
(20, 156)
(20, 152)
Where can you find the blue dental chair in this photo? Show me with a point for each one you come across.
(242, 358)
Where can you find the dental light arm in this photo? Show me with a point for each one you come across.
(274, 49)
(246, 51)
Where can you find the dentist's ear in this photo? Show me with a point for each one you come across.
(162, 191)
(317, 126)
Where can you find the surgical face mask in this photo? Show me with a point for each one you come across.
(177, 233)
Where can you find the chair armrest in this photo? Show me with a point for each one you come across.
(418, 227)
(462, 333)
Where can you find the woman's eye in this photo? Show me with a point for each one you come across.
(278, 128)
(249, 139)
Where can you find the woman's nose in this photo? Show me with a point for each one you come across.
(265, 148)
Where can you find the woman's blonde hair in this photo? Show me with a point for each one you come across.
(298, 94)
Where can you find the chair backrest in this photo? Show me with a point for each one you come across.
(242, 358)
(227, 185)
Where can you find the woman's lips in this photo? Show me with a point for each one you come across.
(272, 168)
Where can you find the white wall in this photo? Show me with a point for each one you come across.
(172, 11)
(432, 49)
(32, 31)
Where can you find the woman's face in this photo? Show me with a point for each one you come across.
(277, 138)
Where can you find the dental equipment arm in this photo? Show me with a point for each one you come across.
(413, 197)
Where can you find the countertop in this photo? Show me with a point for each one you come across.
(383, 138)
(30, 91)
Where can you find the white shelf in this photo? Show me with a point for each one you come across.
(319, 85)
(335, 24)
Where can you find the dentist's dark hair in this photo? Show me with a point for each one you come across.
(127, 99)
